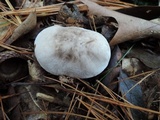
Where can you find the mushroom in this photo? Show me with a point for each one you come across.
(72, 51)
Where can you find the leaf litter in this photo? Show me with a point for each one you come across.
(114, 94)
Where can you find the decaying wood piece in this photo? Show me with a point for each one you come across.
(130, 28)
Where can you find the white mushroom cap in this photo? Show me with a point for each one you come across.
(72, 51)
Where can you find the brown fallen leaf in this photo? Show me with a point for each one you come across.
(130, 28)
(144, 12)
(23, 28)
(151, 60)
(113, 70)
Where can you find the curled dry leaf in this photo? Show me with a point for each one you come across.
(12, 66)
(23, 28)
(130, 28)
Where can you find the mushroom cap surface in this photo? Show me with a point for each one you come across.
(72, 51)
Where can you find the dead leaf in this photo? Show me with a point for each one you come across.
(134, 96)
(14, 106)
(130, 28)
(5, 30)
(144, 12)
(109, 27)
(151, 60)
(113, 69)
(23, 28)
